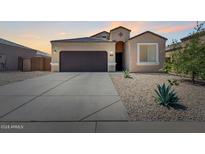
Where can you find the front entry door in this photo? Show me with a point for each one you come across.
(119, 61)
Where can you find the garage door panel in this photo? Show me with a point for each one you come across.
(83, 61)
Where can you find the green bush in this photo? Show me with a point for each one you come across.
(202, 75)
(166, 96)
(167, 67)
(188, 58)
(127, 74)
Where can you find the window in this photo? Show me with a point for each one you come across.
(147, 53)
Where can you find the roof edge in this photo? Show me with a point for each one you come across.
(71, 40)
(100, 33)
(84, 41)
(191, 35)
(172, 49)
(147, 32)
(18, 45)
(120, 27)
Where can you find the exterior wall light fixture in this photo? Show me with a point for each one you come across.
(111, 53)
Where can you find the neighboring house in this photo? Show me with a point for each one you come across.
(109, 51)
(170, 49)
(12, 55)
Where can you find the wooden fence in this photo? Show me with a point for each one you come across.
(37, 64)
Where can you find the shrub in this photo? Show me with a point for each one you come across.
(167, 67)
(173, 82)
(202, 75)
(127, 74)
(166, 96)
(189, 57)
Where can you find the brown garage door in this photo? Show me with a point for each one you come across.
(83, 61)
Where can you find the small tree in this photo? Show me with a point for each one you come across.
(190, 58)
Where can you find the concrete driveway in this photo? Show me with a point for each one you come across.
(65, 97)
(73, 102)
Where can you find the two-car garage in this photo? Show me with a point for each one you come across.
(83, 55)
(83, 61)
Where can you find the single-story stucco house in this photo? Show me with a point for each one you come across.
(109, 51)
(12, 55)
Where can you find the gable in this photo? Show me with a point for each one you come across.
(148, 33)
(147, 37)
(119, 34)
(120, 27)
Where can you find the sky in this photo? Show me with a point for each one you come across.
(38, 34)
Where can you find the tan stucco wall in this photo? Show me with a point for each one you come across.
(145, 38)
(114, 35)
(126, 56)
(84, 46)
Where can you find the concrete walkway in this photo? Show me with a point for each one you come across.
(62, 97)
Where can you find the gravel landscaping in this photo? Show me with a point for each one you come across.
(137, 96)
(9, 77)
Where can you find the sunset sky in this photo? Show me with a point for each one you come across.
(38, 35)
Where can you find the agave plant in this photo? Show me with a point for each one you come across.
(126, 74)
(166, 96)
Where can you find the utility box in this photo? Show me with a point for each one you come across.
(2, 62)
(2, 59)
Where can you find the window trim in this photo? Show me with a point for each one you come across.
(147, 63)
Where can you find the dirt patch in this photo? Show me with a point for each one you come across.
(137, 96)
(9, 77)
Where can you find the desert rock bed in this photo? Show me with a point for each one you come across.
(137, 96)
(9, 77)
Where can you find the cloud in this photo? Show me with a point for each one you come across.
(61, 33)
(135, 26)
(172, 28)
(30, 36)
(141, 26)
